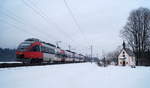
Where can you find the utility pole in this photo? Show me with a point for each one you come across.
(104, 62)
(57, 43)
(69, 46)
(104, 59)
(91, 53)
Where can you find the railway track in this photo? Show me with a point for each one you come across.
(11, 65)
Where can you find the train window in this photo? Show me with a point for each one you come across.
(52, 51)
(42, 49)
(35, 48)
(47, 50)
(23, 46)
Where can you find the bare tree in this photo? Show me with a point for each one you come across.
(113, 56)
(137, 31)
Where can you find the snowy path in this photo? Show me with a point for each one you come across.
(83, 75)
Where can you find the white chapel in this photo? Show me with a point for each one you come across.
(126, 57)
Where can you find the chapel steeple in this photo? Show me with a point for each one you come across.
(124, 45)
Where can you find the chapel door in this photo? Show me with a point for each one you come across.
(123, 63)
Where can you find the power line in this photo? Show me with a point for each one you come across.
(74, 19)
(16, 18)
(16, 27)
(45, 17)
(76, 22)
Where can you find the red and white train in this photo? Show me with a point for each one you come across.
(35, 51)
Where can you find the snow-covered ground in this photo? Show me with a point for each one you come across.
(83, 75)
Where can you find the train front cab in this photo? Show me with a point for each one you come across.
(29, 53)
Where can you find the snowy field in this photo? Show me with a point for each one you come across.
(83, 75)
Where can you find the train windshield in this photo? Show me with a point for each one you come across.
(23, 46)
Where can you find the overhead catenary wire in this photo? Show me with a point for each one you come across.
(74, 19)
(39, 12)
(16, 27)
(45, 17)
(20, 20)
(25, 31)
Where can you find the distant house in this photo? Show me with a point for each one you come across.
(126, 57)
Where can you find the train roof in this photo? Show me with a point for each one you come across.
(81, 54)
(38, 40)
(33, 39)
(49, 44)
(70, 51)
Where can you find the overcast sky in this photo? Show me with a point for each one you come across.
(100, 22)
